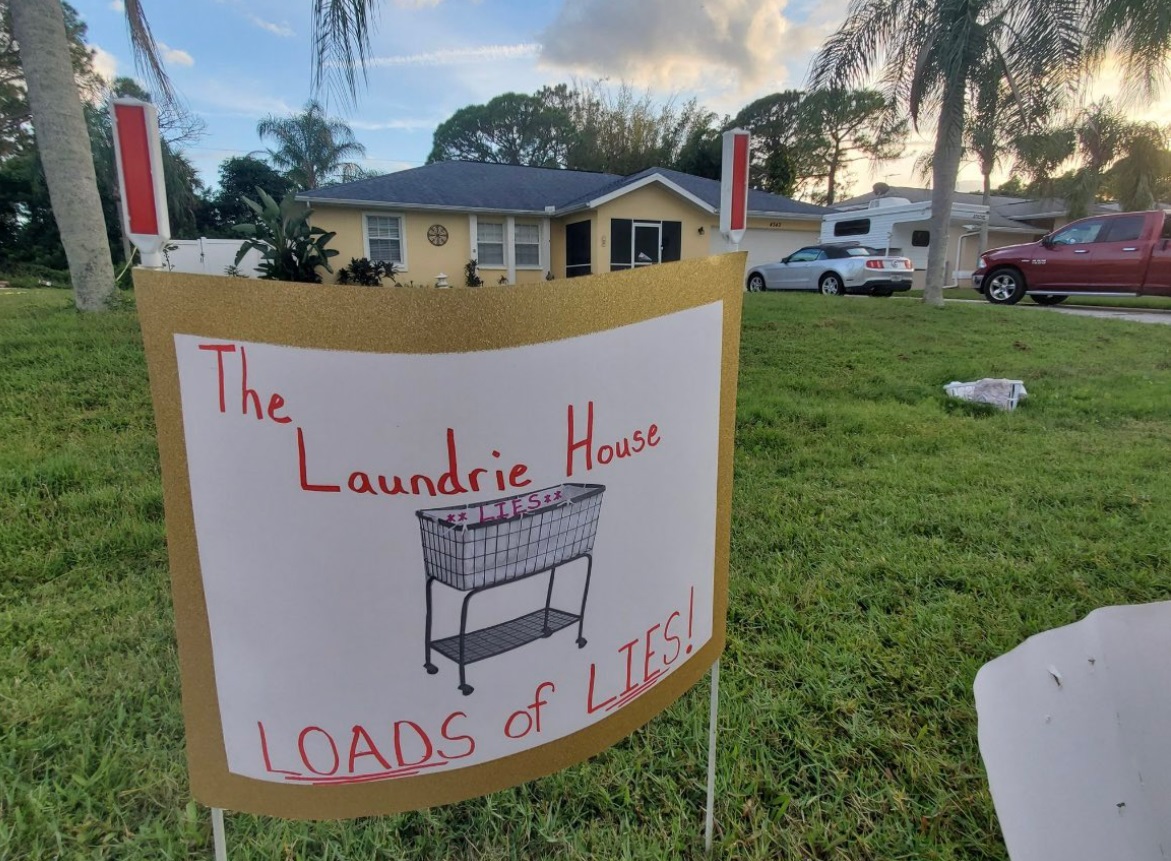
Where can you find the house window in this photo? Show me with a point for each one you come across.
(920, 238)
(857, 227)
(527, 245)
(490, 243)
(384, 239)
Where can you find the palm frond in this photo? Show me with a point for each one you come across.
(852, 54)
(1141, 31)
(341, 33)
(147, 58)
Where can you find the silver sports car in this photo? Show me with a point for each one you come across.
(834, 270)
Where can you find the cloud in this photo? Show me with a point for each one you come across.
(176, 57)
(669, 45)
(105, 63)
(281, 29)
(416, 4)
(409, 125)
(118, 5)
(459, 56)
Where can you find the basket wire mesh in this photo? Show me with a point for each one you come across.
(470, 553)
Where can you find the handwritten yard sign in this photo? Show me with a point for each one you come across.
(430, 544)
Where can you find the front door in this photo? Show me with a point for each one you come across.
(648, 243)
(577, 249)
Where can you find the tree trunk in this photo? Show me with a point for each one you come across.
(832, 183)
(63, 142)
(945, 166)
(987, 201)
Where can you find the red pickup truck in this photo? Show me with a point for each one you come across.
(1127, 254)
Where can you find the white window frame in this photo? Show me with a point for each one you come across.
(537, 244)
(400, 266)
(504, 254)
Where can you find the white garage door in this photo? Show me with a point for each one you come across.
(765, 246)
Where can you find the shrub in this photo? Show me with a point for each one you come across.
(471, 276)
(365, 272)
(290, 249)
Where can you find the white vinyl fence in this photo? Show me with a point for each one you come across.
(209, 256)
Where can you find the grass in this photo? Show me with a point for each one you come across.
(29, 276)
(886, 543)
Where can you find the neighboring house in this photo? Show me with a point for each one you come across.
(900, 219)
(523, 223)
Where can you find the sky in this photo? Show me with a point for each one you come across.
(236, 61)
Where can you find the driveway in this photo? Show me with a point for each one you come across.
(1139, 315)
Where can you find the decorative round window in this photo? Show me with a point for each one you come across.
(437, 234)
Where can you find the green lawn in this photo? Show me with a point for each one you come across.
(886, 543)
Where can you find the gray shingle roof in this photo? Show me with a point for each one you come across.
(707, 190)
(507, 188)
(467, 185)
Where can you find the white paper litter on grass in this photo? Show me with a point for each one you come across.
(1075, 732)
(1005, 394)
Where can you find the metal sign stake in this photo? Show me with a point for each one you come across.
(217, 833)
(709, 819)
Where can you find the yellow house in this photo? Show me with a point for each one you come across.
(525, 224)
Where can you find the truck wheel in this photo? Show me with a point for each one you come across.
(1004, 286)
(1048, 300)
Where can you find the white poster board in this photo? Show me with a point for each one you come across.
(318, 618)
(1074, 735)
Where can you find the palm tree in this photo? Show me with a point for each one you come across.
(1039, 153)
(1142, 176)
(342, 31)
(1000, 127)
(985, 136)
(1102, 131)
(312, 149)
(930, 52)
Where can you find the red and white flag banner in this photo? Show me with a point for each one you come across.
(734, 185)
(139, 157)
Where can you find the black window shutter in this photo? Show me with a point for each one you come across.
(621, 230)
(672, 240)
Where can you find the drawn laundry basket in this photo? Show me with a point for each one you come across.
(480, 546)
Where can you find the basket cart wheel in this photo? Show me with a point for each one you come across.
(430, 668)
(581, 641)
(466, 689)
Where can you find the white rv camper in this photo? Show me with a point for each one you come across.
(895, 225)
